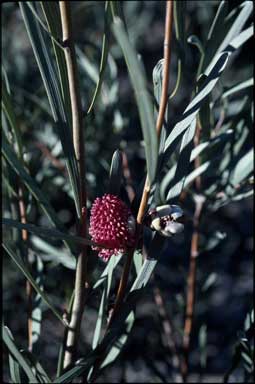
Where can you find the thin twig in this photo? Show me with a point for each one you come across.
(24, 236)
(167, 328)
(76, 106)
(191, 281)
(163, 99)
(47, 153)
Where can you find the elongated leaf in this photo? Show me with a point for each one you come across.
(239, 87)
(195, 105)
(104, 274)
(224, 29)
(142, 97)
(104, 54)
(49, 252)
(47, 232)
(40, 372)
(52, 16)
(183, 163)
(8, 110)
(10, 344)
(212, 75)
(105, 294)
(22, 267)
(215, 143)
(16, 373)
(116, 173)
(236, 26)
(243, 168)
(179, 22)
(48, 73)
(121, 341)
(40, 197)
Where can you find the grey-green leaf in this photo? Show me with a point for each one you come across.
(138, 81)
(22, 267)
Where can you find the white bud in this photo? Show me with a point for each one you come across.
(163, 220)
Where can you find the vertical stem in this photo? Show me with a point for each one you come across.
(163, 99)
(191, 281)
(167, 327)
(24, 236)
(81, 268)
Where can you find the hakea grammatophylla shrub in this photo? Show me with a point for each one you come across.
(111, 224)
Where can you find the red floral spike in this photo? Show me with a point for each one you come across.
(112, 224)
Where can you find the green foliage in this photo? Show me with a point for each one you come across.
(208, 140)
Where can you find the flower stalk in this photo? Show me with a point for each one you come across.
(163, 99)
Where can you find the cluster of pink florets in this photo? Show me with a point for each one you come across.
(112, 224)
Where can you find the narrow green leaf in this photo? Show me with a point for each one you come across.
(40, 372)
(22, 267)
(193, 108)
(52, 16)
(237, 26)
(104, 274)
(211, 75)
(243, 168)
(105, 294)
(8, 110)
(104, 54)
(15, 371)
(239, 87)
(10, 344)
(50, 80)
(202, 339)
(224, 28)
(179, 23)
(138, 81)
(115, 173)
(120, 342)
(183, 163)
(48, 232)
(40, 197)
(49, 252)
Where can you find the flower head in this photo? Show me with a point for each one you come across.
(112, 224)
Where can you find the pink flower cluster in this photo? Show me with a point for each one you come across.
(112, 224)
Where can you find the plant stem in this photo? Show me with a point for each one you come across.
(24, 236)
(191, 281)
(167, 327)
(163, 99)
(81, 268)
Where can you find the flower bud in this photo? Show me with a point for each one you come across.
(163, 219)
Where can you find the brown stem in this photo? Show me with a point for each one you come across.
(46, 152)
(167, 328)
(77, 127)
(163, 99)
(191, 281)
